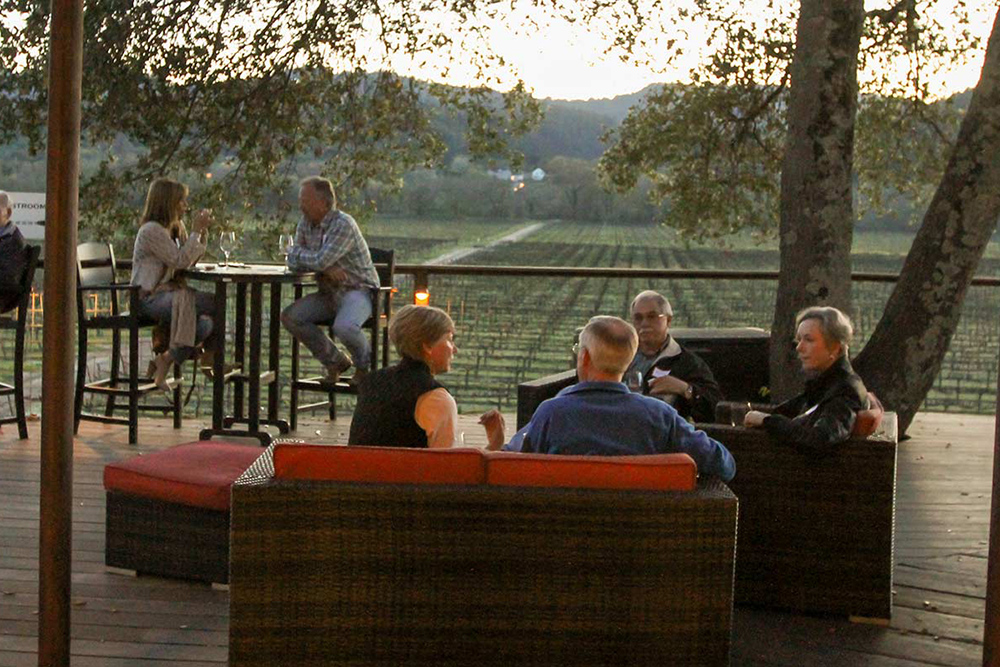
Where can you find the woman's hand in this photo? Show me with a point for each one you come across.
(202, 221)
(494, 424)
(754, 419)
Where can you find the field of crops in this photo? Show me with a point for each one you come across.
(510, 330)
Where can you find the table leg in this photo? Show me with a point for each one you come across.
(240, 349)
(274, 360)
(256, 324)
(218, 362)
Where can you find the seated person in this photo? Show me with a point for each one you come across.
(600, 416)
(328, 241)
(162, 248)
(669, 372)
(403, 405)
(13, 261)
(823, 415)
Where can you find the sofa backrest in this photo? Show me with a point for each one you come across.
(470, 466)
(660, 472)
(392, 465)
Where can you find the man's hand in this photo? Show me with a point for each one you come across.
(494, 424)
(667, 384)
(336, 274)
(754, 419)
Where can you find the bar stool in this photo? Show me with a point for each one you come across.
(96, 274)
(377, 324)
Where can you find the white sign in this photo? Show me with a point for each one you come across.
(29, 213)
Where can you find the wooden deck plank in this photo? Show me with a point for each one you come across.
(941, 537)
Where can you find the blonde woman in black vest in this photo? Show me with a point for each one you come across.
(404, 405)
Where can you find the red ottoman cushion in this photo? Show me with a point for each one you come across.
(198, 474)
(659, 472)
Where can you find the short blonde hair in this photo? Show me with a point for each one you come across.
(412, 327)
(611, 342)
(323, 187)
(835, 326)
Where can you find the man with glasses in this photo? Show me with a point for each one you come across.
(600, 416)
(669, 372)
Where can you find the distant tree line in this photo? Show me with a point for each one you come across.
(569, 191)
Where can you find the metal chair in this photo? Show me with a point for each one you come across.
(377, 324)
(97, 274)
(18, 324)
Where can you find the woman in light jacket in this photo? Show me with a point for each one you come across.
(163, 247)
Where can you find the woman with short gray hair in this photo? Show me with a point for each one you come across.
(403, 405)
(823, 415)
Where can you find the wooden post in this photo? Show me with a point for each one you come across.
(61, 209)
(991, 623)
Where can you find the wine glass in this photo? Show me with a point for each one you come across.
(227, 244)
(285, 244)
(633, 380)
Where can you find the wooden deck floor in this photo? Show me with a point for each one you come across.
(941, 547)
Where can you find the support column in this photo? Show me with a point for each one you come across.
(59, 329)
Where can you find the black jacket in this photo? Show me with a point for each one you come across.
(13, 262)
(689, 367)
(823, 415)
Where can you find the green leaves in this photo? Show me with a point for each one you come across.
(240, 98)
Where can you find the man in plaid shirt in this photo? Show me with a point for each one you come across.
(329, 242)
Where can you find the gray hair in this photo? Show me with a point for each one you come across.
(5, 200)
(412, 327)
(835, 326)
(611, 342)
(661, 302)
(323, 186)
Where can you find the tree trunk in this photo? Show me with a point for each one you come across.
(817, 211)
(905, 351)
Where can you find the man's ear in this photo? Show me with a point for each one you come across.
(670, 319)
(583, 360)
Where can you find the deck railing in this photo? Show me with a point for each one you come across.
(516, 322)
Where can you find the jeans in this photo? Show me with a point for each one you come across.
(348, 311)
(158, 306)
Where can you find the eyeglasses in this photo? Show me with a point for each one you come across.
(638, 318)
(576, 348)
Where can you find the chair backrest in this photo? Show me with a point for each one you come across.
(95, 264)
(385, 264)
(32, 253)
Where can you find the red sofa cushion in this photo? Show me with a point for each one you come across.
(198, 474)
(392, 465)
(868, 421)
(662, 472)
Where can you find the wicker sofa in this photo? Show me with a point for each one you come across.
(395, 556)
(816, 533)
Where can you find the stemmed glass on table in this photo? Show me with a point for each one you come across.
(285, 244)
(227, 244)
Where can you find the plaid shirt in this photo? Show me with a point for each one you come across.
(336, 241)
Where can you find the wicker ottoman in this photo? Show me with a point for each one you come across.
(168, 512)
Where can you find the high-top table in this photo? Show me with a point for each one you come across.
(247, 362)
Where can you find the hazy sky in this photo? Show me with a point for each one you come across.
(566, 61)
